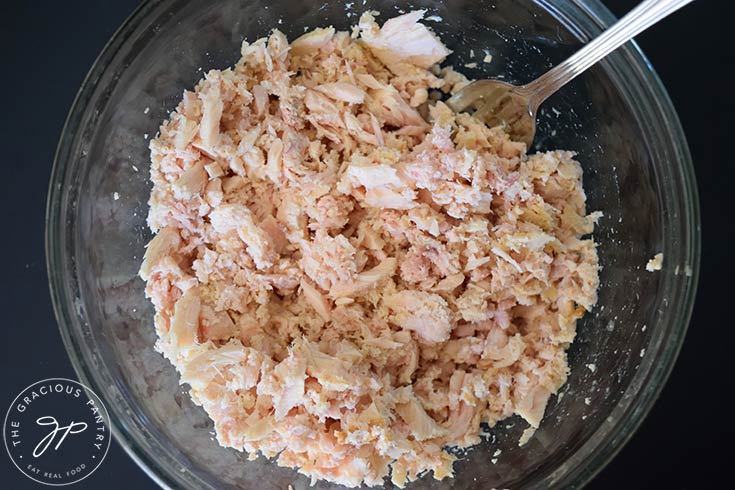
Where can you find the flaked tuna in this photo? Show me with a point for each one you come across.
(345, 286)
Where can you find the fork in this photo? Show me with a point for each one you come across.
(515, 107)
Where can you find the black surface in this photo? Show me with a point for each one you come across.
(46, 49)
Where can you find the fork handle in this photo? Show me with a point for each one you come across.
(636, 21)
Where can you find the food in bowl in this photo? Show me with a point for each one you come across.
(345, 286)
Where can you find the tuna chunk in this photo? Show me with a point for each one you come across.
(427, 314)
(403, 38)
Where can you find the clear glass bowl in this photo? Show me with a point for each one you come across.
(617, 116)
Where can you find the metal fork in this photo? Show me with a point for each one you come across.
(515, 107)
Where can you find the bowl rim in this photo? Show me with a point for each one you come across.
(591, 457)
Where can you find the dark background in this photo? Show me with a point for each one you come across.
(46, 48)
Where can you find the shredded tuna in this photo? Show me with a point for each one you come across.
(346, 286)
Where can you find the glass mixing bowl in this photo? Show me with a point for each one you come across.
(617, 116)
